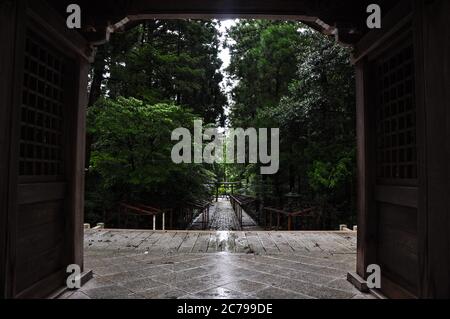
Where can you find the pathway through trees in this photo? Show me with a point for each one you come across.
(222, 217)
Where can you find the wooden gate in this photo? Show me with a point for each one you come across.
(43, 216)
(402, 89)
(44, 150)
(388, 162)
(396, 179)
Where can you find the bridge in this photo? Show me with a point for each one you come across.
(225, 210)
(224, 253)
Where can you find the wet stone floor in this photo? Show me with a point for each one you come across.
(218, 264)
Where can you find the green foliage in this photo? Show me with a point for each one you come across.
(311, 100)
(131, 158)
(262, 56)
(284, 75)
(327, 177)
(167, 70)
(170, 61)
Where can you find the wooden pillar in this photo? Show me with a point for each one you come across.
(79, 169)
(433, 96)
(367, 224)
(10, 33)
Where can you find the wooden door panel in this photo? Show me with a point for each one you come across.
(398, 195)
(43, 119)
(396, 180)
(43, 216)
(397, 244)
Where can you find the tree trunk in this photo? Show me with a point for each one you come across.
(95, 93)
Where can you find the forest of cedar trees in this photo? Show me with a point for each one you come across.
(164, 74)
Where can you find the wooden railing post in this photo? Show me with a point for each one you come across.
(282, 214)
(270, 220)
(265, 219)
(240, 216)
(120, 216)
(154, 222)
(203, 219)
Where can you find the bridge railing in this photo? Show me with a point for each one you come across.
(274, 217)
(238, 202)
(140, 210)
(202, 208)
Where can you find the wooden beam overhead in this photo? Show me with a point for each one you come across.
(349, 16)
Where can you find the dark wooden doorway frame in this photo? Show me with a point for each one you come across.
(78, 182)
(405, 12)
(429, 98)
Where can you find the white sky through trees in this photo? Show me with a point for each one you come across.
(225, 56)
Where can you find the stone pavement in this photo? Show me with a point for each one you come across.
(142, 264)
